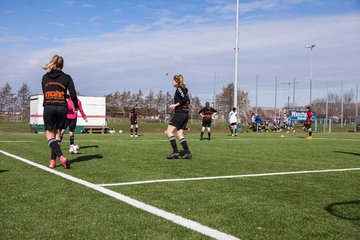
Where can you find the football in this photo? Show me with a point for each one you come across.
(120, 131)
(73, 149)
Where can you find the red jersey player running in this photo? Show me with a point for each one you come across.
(307, 123)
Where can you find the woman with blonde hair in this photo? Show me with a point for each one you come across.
(180, 118)
(55, 84)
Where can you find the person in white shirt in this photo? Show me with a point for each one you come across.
(233, 121)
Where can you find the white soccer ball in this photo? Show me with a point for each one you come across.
(73, 149)
(120, 131)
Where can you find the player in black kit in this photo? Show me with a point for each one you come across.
(133, 121)
(180, 118)
(55, 84)
(207, 114)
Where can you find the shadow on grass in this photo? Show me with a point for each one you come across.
(351, 153)
(1, 171)
(85, 158)
(345, 210)
(91, 146)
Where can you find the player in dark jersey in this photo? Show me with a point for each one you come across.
(55, 84)
(307, 123)
(207, 114)
(133, 121)
(180, 118)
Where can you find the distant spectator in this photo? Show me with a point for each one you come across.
(257, 122)
(267, 123)
(233, 121)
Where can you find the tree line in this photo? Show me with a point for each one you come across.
(15, 106)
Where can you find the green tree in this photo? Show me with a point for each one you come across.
(6, 98)
(23, 101)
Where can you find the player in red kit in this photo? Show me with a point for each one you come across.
(307, 123)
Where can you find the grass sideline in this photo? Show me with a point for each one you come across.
(38, 205)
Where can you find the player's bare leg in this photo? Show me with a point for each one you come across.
(131, 130)
(310, 134)
(136, 130)
(202, 133)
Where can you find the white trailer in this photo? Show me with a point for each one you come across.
(94, 109)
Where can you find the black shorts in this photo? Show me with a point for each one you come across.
(71, 123)
(307, 126)
(206, 122)
(54, 117)
(179, 120)
(133, 121)
(232, 124)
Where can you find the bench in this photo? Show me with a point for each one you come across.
(96, 129)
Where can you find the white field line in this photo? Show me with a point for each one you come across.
(226, 177)
(135, 203)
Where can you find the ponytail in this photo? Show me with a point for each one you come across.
(56, 63)
(179, 79)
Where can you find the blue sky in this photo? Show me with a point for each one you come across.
(129, 44)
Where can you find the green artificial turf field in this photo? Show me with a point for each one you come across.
(36, 204)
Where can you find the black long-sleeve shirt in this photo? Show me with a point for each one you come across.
(182, 97)
(55, 85)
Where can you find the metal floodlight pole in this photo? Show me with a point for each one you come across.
(311, 77)
(288, 104)
(289, 84)
(357, 100)
(327, 104)
(275, 94)
(236, 55)
(166, 103)
(342, 104)
(294, 94)
(214, 102)
(256, 96)
(356, 105)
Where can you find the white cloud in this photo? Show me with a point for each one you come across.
(9, 12)
(68, 2)
(95, 20)
(87, 5)
(8, 38)
(58, 25)
(117, 10)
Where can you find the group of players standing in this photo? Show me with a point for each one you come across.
(60, 112)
